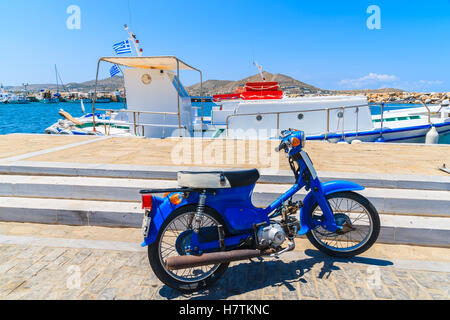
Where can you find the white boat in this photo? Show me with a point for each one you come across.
(105, 124)
(413, 124)
(12, 98)
(4, 96)
(18, 99)
(158, 106)
(332, 118)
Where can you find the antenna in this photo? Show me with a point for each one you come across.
(259, 70)
(132, 38)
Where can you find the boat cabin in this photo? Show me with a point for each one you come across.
(158, 105)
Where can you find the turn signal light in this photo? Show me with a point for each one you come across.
(295, 142)
(176, 198)
(147, 202)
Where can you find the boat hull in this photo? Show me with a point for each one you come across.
(413, 134)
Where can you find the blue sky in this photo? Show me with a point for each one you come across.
(324, 43)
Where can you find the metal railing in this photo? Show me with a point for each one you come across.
(136, 120)
(327, 110)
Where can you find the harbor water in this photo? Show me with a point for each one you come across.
(35, 117)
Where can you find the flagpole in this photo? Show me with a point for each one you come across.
(124, 89)
(95, 97)
(132, 38)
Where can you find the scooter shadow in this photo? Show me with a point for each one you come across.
(269, 273)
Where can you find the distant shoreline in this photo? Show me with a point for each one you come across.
(290, 86)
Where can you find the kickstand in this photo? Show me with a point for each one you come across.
(444, 168)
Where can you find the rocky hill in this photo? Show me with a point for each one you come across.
(288, 84)
(108, 84)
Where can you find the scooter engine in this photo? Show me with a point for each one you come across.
(272, 235)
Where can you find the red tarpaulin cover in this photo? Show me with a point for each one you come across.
(253, 91)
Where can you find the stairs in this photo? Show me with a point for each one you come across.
(412, 211)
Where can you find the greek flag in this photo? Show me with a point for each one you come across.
(114, 70)
(122, 47)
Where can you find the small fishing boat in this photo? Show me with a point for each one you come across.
(6, 97)
(110, 123)
(103, 100)
(45, 96)
(18, 99)
(118, 96)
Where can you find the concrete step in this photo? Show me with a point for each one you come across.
(396, 229)
(373, 180)
(71, 212)
(398, 201)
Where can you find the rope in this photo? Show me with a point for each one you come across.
(262, 87)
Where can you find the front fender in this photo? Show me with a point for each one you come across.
(328, 188)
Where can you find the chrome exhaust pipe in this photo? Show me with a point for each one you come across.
(184, 262)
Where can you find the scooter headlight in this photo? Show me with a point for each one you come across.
(295, 142)
(298, 140)
(303, 139)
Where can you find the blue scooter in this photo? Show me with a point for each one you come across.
(195, 231)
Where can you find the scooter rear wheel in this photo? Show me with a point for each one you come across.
(356, 215)
(167, 245)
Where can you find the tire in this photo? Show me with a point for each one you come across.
(373, 227)
(170, 278)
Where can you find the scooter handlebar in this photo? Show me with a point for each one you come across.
(282, 146)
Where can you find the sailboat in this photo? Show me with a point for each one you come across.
(18, 99)
(47, 97)
(58, 94)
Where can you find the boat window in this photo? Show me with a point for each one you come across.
(340, 114)
(178, 86)
(146, 78)
(300, 116)
(259, 117)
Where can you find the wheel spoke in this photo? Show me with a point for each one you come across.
(167, 247)
(351, 211)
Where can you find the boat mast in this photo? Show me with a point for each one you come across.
(56, 75)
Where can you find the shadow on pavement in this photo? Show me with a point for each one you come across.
(266, 274)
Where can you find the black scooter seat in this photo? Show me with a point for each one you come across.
(239, 178)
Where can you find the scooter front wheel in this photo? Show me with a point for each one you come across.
(359, 221)
(172, 238)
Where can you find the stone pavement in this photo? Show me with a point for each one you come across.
(77, 264)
